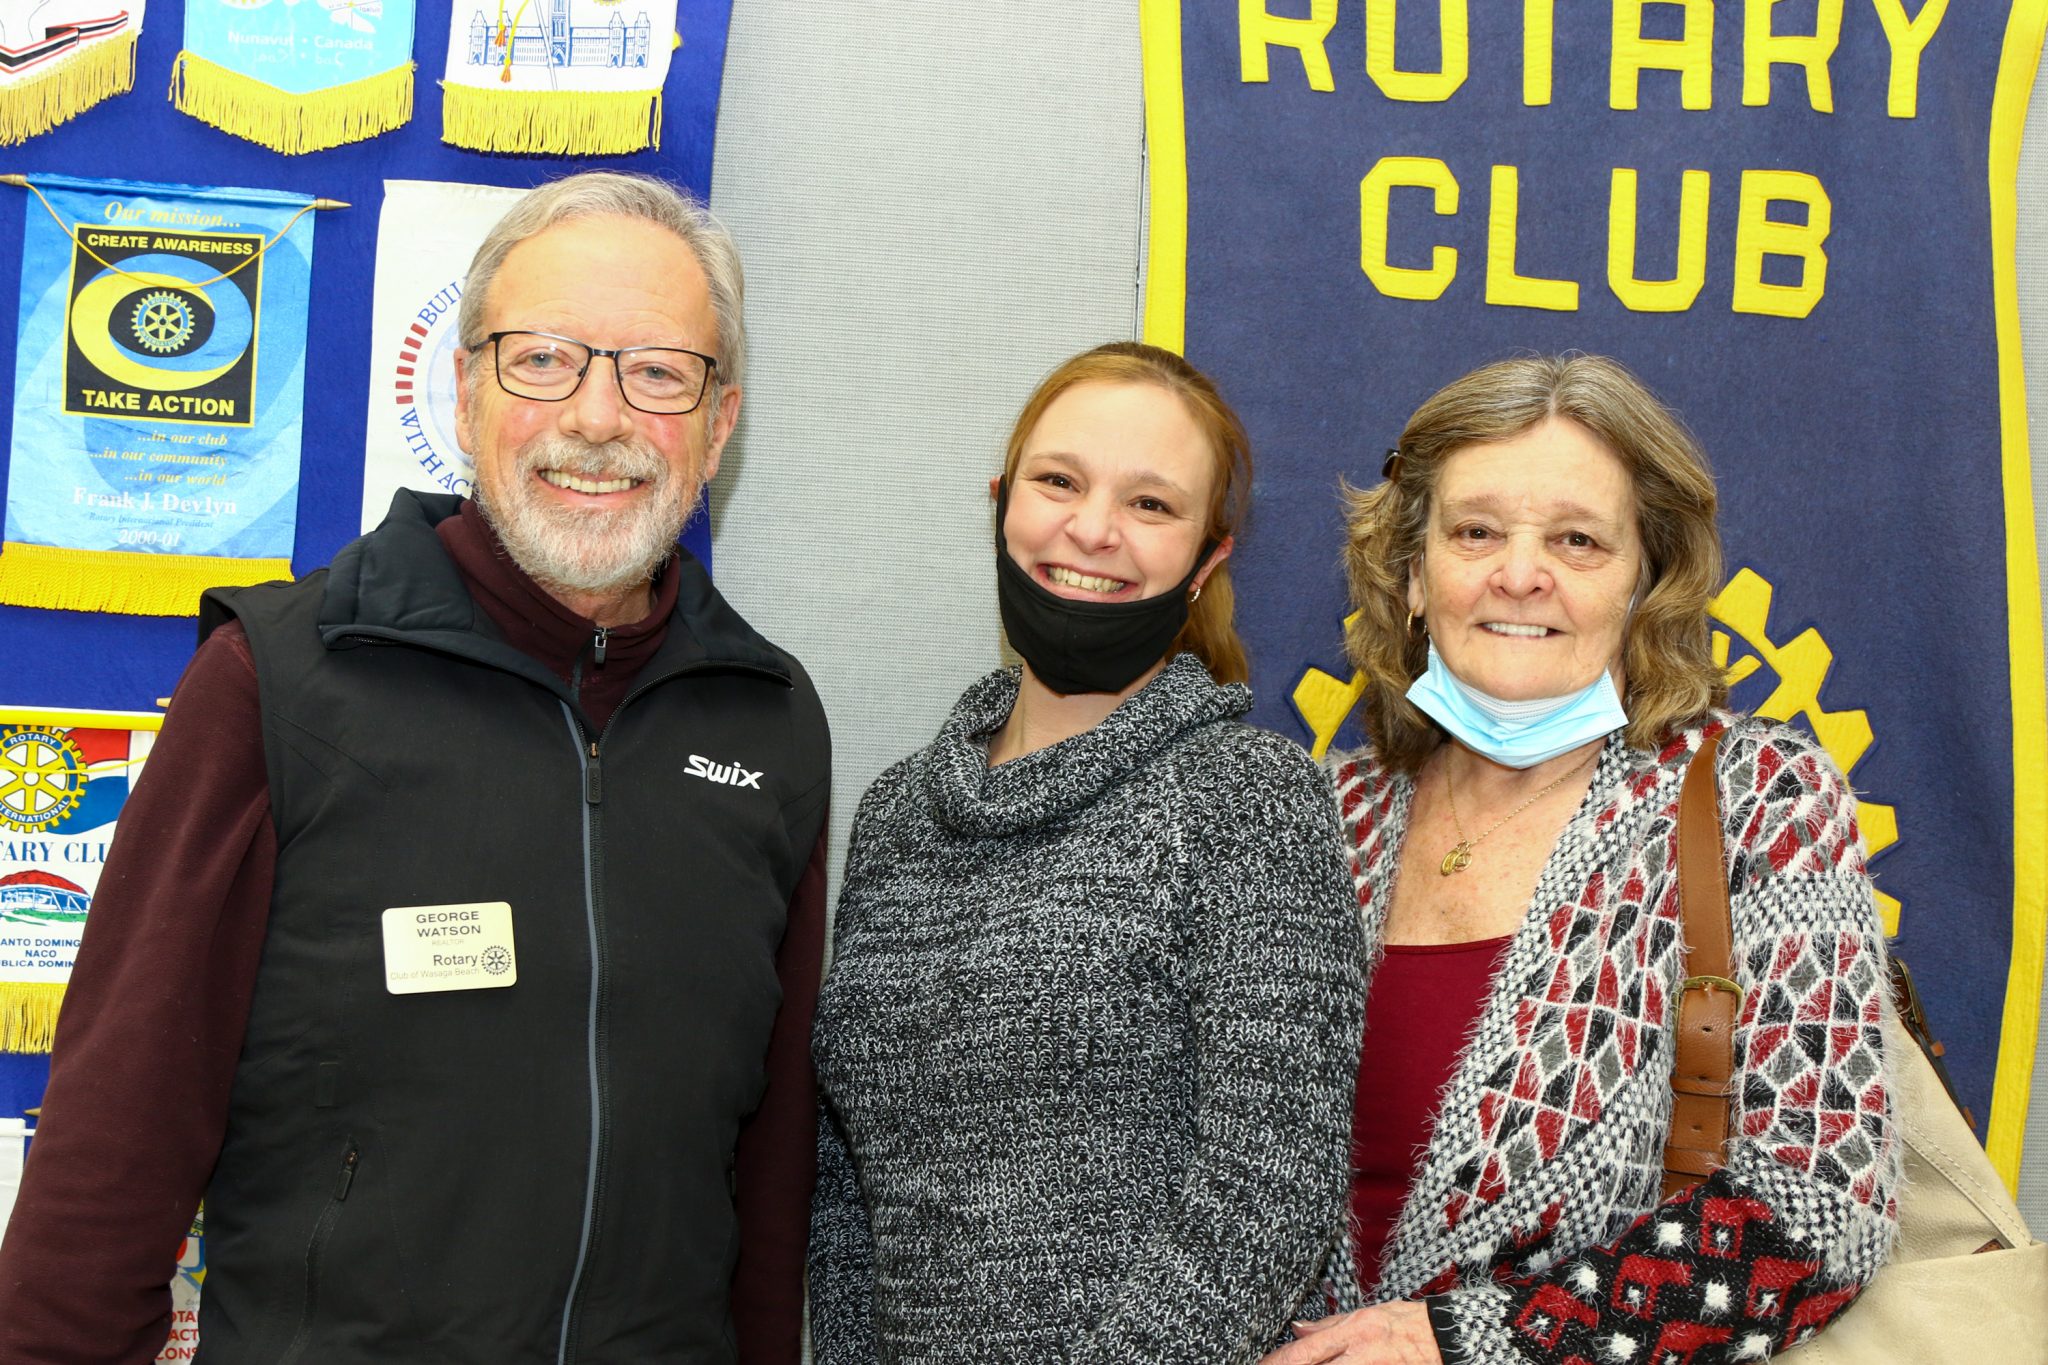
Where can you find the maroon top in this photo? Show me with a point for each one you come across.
(155, 1012)
(1421, 1007)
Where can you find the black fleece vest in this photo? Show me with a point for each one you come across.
(534, 1173)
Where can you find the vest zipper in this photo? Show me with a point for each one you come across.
(322, 1226)
(587, 758)
(598, 642)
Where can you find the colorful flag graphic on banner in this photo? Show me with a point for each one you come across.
(159, 374)
(64, 776)
(297, 77)
(425, 238)
(186, 1285)
(58, 58)
(1346, 217)
(573, 77)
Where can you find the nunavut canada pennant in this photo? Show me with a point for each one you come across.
(293, 76)
(158, 385)
(58, 58)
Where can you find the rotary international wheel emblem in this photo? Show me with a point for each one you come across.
(162, 321)
(42, 777)
(496, 960)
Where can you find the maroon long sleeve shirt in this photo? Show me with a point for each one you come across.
(155, 1012)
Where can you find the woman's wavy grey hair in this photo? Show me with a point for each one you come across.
(596, 194)
(1667, 654)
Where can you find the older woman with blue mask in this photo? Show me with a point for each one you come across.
(1532, 581)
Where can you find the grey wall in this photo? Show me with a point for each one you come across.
(938, 202)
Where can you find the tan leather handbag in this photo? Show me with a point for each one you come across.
(1966, 1282)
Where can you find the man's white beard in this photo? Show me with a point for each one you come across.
(589, 550)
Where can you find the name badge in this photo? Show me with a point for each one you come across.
(448, 948)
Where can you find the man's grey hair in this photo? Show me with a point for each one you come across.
(594, 194)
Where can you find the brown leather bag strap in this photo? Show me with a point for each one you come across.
(1710, 1001)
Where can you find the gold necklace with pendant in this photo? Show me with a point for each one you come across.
(1460, 856)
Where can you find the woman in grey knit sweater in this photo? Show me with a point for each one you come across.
(1087, 1048)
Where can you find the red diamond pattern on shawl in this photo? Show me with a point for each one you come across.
(1769, 1278)
(1549, 1311)
(1585, 1099)
(1680, 1341)
(1722, 1222)
(1491, 1108)
(1637, 1283)
(1810, 1064)
(1549, 1132)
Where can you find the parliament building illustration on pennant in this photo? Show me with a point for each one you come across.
(558, 42)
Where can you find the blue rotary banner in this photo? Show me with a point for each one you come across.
(1795, 221)
(159, 373)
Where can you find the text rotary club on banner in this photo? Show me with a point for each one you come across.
(1763, 228)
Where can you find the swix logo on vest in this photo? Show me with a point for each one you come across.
(731, 774)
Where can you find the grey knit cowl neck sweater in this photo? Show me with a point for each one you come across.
(1026, 793)
(1087, 1048)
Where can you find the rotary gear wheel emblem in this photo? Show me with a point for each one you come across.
(42, 778)
(162, 321)
(1743, 607)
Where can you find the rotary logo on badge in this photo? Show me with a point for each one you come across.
(42, 778)
(162, 326)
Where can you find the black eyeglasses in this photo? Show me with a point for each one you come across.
(665, 380)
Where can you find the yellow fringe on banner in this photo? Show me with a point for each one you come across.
(36, 104)
(568, 122)
(114, 580)
(28, 1015)
(285, 122)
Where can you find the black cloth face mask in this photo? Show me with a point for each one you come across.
(1084, 646)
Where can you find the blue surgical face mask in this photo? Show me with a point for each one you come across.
(1518, 734)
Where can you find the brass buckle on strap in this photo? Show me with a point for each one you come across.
(1713, 983)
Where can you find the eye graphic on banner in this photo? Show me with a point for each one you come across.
(146, 328)
(159, 374)
(60, 58)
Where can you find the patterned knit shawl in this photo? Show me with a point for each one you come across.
(1528, 1213)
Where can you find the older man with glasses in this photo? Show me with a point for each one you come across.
(461, 941)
